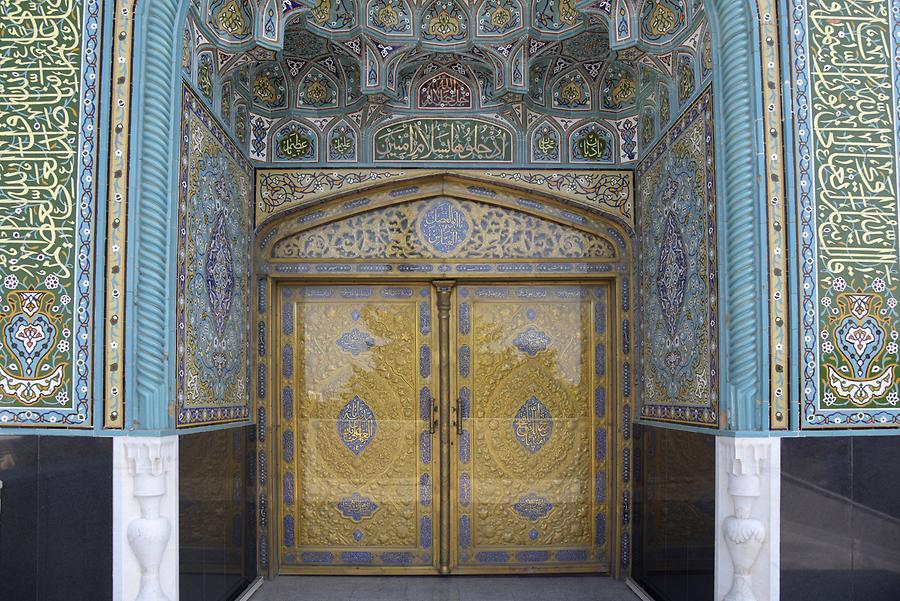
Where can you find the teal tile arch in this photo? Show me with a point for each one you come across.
(742, 259)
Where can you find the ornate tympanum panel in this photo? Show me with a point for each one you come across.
(531, 439)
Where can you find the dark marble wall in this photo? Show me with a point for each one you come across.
(217, 524)
(673, 549)
(55, 518)
(840, 519)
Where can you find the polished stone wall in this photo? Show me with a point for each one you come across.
(673, 513)
(840, 519)
(55, 518)
(217, 531)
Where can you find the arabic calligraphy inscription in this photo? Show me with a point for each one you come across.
(439, 139)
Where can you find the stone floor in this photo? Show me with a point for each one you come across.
(436, 588)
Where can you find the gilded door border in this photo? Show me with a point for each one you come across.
(619, 272)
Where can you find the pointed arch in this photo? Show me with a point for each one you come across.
(589, 233)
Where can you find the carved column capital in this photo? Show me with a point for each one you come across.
(746, 456)
(148, 461)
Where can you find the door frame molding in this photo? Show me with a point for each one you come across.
(619, 272)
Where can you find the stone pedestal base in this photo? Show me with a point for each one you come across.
(145, 518)
(748, 509)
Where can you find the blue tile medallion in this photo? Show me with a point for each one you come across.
(356, 507)
(444, 226)
(531, 342)
(355, 342)
(356, 425)
(533, 424)
(533, 507)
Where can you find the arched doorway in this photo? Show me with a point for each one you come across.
(448, 381)
(742, 348)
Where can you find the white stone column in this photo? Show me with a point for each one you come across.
(748, 518)
(145, 518)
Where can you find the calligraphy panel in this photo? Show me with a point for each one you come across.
(48, 67)
(443, 139)
(847, 135)
(678, 288)
(444, 91)
(213, 272)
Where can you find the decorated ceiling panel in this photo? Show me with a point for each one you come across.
(507, 81)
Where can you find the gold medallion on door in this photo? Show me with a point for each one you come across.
(453, 429)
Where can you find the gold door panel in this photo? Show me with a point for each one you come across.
(530, 464)
(524, 424)
(358, 427)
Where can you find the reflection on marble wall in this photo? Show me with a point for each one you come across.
(217, 524)
(56, 530)
(213, 272)
(840, 519)
(677, 262)
(674, 513)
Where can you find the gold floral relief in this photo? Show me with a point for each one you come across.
(436, 228)
(352, 378)
(530, 362)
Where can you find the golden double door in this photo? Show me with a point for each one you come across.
(443, 428)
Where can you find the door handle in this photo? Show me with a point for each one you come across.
(459, 416)
(435, 416)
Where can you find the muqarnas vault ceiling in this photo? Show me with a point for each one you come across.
(496, 81)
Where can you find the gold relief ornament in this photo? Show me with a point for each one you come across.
(623, 91)
(321, 10)
(264, 89)
(31, 325)
(387, 16)
(444, 25)
(204, 79)
(186, 47)
(567, 12)
(470, 229)
(685, 80)
(571, 94)
(229, 19)
(354, 409)
(707, 52)
(500, 16)
(662, 20)
(316, 92)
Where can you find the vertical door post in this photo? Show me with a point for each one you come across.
(444, 296)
